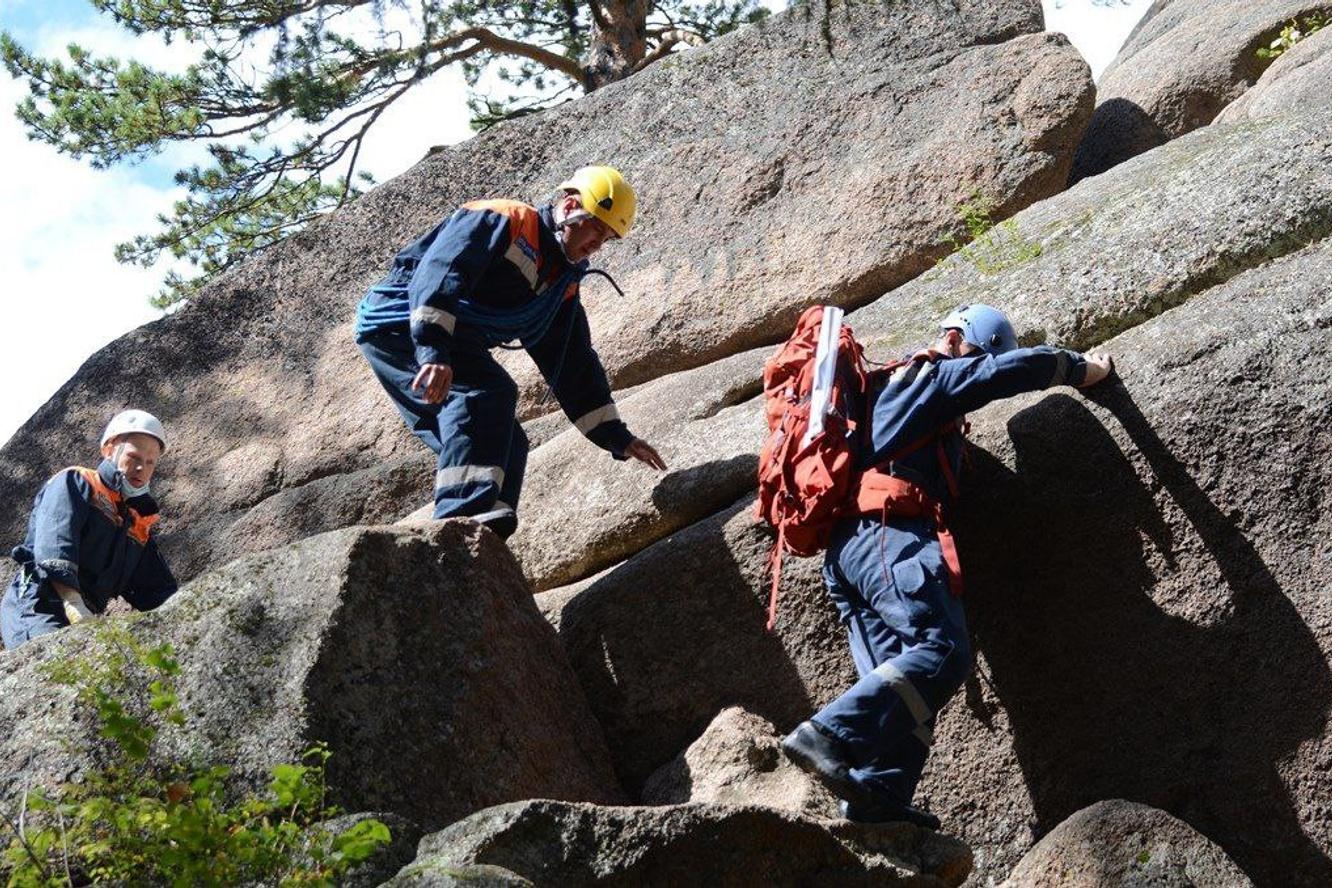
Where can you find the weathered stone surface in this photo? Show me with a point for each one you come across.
(580, 512)
(1116, 843)
(1296, 82)
(1072, 270)
(557, 843)
(669, 638)
(416, 653)
(433, 873)
(739, 761)
(1107, 254)
(1148, 612)
(1185, 61)
(263, 391)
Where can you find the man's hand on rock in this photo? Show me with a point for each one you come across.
(1099, 366)
(645, 453)
(435, 379)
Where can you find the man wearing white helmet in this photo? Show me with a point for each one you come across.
(90, 538)
(891, 567)
(498, 272)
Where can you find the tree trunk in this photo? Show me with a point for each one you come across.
(618, 41)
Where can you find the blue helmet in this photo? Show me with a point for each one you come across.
(984, 327)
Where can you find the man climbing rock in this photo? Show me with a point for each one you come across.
(891, 567)
(494, 272)
(90, 538)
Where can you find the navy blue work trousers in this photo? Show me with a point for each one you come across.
(28, 609)
(481, 448)
(909, 641)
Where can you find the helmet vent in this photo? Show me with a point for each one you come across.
(605, 203)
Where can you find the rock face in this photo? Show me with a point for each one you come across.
(669, 638)
(1183, 63)
(273, 412)
(1117, 843)
(1073, 270)
(581, 513)
(1296, 82)
(1159, 546)
(739, 761)
(556, 843)
(416, 653)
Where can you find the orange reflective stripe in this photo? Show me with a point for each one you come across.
(141, 526)
(105, 499)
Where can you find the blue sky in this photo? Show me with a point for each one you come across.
(68, 296)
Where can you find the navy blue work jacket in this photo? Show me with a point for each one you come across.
(495, 268)
(85, 534)
(915, 401)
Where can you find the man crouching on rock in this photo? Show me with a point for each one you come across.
(892, 570)
(494, 272)
(90, 538)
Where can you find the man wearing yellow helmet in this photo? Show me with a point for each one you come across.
(496, 272)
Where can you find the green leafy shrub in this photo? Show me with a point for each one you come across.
(139, 819)
(1292, 33)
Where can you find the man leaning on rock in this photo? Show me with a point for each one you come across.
(495, 272)
(891, 568)
(90, 538)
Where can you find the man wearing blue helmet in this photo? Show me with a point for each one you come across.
(891, 567)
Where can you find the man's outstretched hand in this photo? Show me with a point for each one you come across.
(1099, 366)
(435, 379)
(645, 453)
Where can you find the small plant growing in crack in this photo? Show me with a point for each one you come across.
(1297, 30)
(990, 247)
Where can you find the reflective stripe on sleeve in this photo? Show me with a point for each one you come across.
(523, 262)
(589, 421)
(453, 475)
(424, 314)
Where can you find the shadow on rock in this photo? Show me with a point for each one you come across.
(1119, 130)
(1141, 646)
(668, 639)
(713, 483)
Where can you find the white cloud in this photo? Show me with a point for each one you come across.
(69, 297)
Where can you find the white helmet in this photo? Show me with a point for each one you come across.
(129, 422)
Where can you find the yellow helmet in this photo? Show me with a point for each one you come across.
(606, 195)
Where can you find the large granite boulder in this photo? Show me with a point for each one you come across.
(1183, 63)
(875, 121)
(557, 843)
(415, 652)
(1117, 843)
(669, 638)
(1149, 613)
(1295, 83)
(1071, 270)
(581, 512)
(739, 761)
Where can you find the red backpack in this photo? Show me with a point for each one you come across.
(807, 479)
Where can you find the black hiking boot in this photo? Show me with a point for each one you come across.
(820, 753)
(883, 811)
